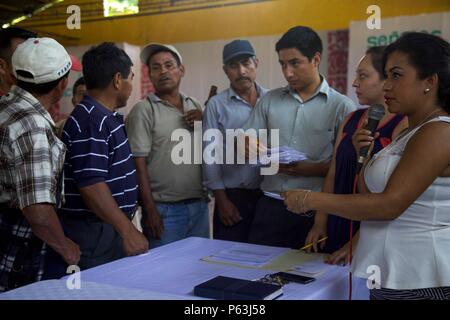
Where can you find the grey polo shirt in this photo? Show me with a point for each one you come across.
(229, 111)
(309, 126)
(150, 125)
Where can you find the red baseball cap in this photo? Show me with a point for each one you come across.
(76, 64)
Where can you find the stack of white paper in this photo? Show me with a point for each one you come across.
(286, 154)
(311, 268)
(246, 255)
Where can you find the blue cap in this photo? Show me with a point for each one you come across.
(237, 48)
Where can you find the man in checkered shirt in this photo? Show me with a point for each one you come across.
(31, 159)
(10, 38)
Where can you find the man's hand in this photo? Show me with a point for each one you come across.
(228, 213)
(252, 146)
(45, 225)
(152, 224)
(134, 242)
(71, 253)
(305, 169)
(292, 169)
(193, 115)
(98, 199)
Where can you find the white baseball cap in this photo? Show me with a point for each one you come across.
(43, 58)
(152, 47)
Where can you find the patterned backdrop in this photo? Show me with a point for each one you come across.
(338, 59)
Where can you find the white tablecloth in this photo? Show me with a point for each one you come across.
(172, 271)
(58, 290)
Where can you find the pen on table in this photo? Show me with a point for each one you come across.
(310, 244)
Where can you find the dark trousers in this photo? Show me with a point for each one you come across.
(21, 252)
(245, 201)
(274, 225)
(99, 243)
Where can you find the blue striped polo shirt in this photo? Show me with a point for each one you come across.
(97, 151)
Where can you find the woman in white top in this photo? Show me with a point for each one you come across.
(404, 246)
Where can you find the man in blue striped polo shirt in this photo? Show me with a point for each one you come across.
(100, 175)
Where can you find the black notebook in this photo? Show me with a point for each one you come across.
(225, 288)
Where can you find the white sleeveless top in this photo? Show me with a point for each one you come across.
(412, 251)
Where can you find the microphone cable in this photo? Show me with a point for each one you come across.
(350, 280)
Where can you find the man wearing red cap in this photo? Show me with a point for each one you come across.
(76, 64)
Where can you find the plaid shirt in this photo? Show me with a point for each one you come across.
(31, 161)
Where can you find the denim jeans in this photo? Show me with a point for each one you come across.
(182, 220)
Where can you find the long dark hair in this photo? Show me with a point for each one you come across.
(430, 55)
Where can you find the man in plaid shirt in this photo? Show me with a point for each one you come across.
(10, 38)
(31, 159)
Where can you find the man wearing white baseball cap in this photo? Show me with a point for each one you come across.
(172, 197)
(154, 48)
(32, 160)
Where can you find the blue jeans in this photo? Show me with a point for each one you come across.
(182, 220)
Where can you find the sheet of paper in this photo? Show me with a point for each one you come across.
(273, 195)
(287, 154)
(246, 255)
(312, 268)
(284, 155)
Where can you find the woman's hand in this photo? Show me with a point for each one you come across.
(340, 256)
(363, 138)
(295, 200)
(317, 232)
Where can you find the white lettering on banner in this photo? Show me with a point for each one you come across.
(374, 21)
(74, 20)
(74, 280)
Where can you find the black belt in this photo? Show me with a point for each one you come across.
(185, 201)
(89, 216)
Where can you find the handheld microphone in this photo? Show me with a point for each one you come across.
(375, 114)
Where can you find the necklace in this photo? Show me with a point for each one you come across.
(408, 130)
